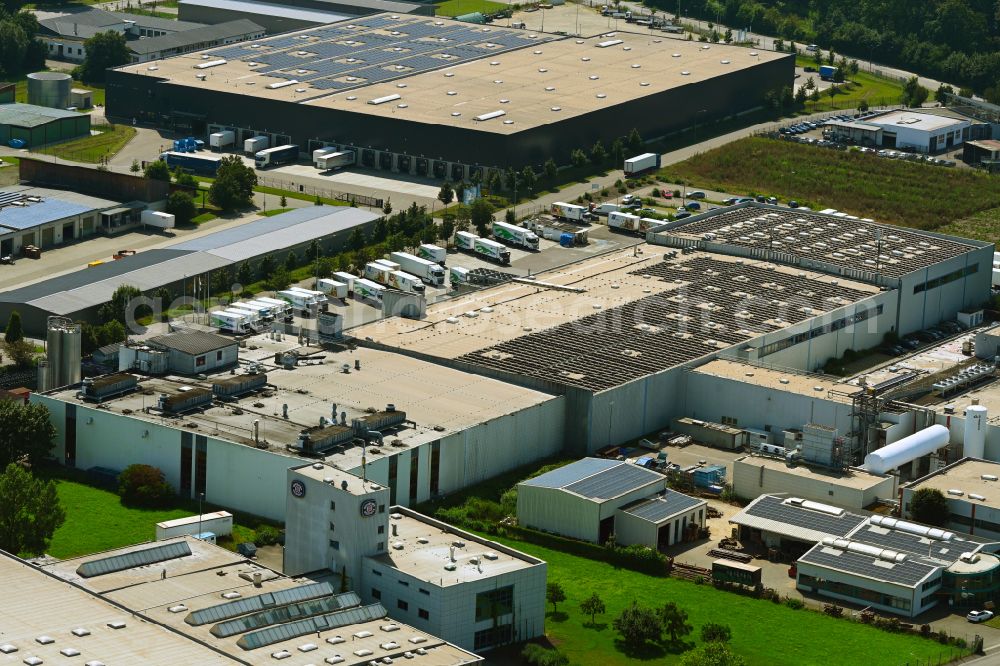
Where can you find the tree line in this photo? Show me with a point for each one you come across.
(952, 40)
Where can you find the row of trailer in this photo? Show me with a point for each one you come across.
(249, 316)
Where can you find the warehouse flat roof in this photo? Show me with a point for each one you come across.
(37, 604)
(431, 395)
(917, 120)
(252, 7)
(195, 36)
(449, 73)
(426, 561)
(852, 478)
(801, 520)
(819, 239)
(965, 475)
(23, 208)
(627, 314)
(192, 342)
(784, 380)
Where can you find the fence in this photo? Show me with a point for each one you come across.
(290, 186)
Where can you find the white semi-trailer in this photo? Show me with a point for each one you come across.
(438, 255)
(366, 290)
(158, 219)
(223, 139)
(377, 272)
(332, 287)
(297, 299)
(492, 250)
(642, 163)
(514, 235)
(458, 275)
(318, 296)
(346, 278)
(465, 240)
(425, 269)
(568, 211)
(334, 160)
(625, 222)
(282, 309)
(255, 144)
(229, 322)
(406, 282)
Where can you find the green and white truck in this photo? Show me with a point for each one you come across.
(514, 235)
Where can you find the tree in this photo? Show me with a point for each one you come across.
(713, 654)
(279, 278)
(510, 179)
(25, 430)
(181, 205)
(244, 275)
(143, 485)
(446, 194)
(943, 92)
(314, 251)
(136, 167)
(550, 170)
(387, 206)
(291, 261)
(447, 229)
(510, 217)
(356, 240)
(801, 96)
(634, 140)
(233, 185)
(102, 51)
(597, 153)
(536, 655)
(863, 105)
(481, 216)
(617, 151)
(13, 332)
(914, 94)
(638, 624)
(578, 158)
(712, 632)
(528, 178)
(265, 267)
(283, 202)
(929, 506)
(122, 298)
(157, 170)
(460, 191)
(814, 95)
(727, 36)
(319, 201)
(674, 621)
(184, 179)
(30, 511)
(592, 606)
(494, 182)
(554, 593)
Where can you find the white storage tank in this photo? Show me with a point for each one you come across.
(920, 443)
(974, 442)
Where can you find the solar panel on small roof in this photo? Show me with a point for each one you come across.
(660, 508)
(614, 482)
(571, 473)
(294, 611)
(257, 603)
(310, 625)
(133, 559)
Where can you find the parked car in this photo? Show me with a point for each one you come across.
(793, 204)
(812, 48)
(809, 68)
(681, 215)
(697, 194)
(692, 205)
(731, 201)
(978, 616)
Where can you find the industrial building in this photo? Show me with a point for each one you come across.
(202, 605)
(792, 525)
(186, 352)
(39, 125)
(923, 132)
(45, 218)
(973, 492)
(292, 15)
(852, 487)
(177, 267)
(194, 39)
(983, 153)
(474, 593)
(447, 99)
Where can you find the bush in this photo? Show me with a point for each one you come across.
(266, 536)
(144, 485)
(794, 603)
(943, 637)
(925, 630)
(535, 654)
(716, 633)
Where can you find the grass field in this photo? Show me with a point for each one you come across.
(913, 195)
(92, 149)
(766, 634)
(460, 7)
(983, 226)
(863, 86)
(21, 91)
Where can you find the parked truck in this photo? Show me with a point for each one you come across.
(223, 139)
(276, 156)
(827, 72)
(282, 308)
(465, 240)
(492, 250)
(206, 165)
(230, 322)
(626, 222)
(318, 296)
(377, 272)
(458, 275)
(515, 235)
(642, 163)
(261, 312)
(406, 282)
(603, 209)
(391, 265)
(252, 316)
(255, 144)
(335, 160)
(366, 290)
(567, 211)
(438, 255)
(297, 299)
(332, 287)
(425, 269)
(346, 278)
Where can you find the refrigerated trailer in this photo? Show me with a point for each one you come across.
(276, 156)
(230, 322)
(223, 139)
(509, 233)
(346, 278)
(282, 309)
(425, 269)
(254, 145)
(465, 240)
(366, 290)
(567, 211)
(492, 250)
(627, 222)
(334, 160)
(318, 296)
(458, 275)
(642, 163)
(438, 255)
(406, 282)
(297, 299)
(332, 287)
(158, 219)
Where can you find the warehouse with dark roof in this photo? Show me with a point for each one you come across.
(443, 98)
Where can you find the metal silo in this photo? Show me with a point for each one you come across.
(63, 353)
(50, 89)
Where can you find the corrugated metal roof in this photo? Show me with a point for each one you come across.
(571, 473)
(192, 342)
(34, 214)
(30, 115)
(615, 482)
(196, 36)
(263, 226)
(658, 509)
(909, 573)
(270, 9)
(771, 514)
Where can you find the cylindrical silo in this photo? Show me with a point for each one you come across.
(63, 352)
(50, 89)
(920, 443)
(974, 443)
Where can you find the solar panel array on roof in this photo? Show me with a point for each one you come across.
(909, 572)
(296, 611)
(257, 603)
(374, 49)
(614, 482)
(904, 542)
(660, 508)
(284, 632)
(136, 558)
(571, 473)
(774, 508)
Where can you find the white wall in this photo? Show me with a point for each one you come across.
(749, 483)
(915, 595)
(552, 510)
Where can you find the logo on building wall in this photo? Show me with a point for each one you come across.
(298, 488)
(368, 508)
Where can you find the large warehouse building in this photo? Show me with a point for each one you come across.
(438, 97)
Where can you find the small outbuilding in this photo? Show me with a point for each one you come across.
(661, 521)
(196, 352)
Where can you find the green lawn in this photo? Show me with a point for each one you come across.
(766, 634)
(204, 217)
(273, 212)
(914, 195)
(460, 7)
(863, 86)
(93, 148)
(984, 226)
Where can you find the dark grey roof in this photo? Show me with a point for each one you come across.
(658, 509)
(947, 551)
(772, 514)
(109, 350)
(208, 35)
(192, 342)
(909, 572)
(614, 482)
(571, 473)
(156, 22)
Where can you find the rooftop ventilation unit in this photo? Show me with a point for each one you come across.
(210, 63)
(281, 84)
(383, 100)
(610, 42)
(491, 115)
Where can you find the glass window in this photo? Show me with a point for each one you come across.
(424, 615)
(376, 593)
(494, 603)
(402, 605)
(493, 636)
(334, 544)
